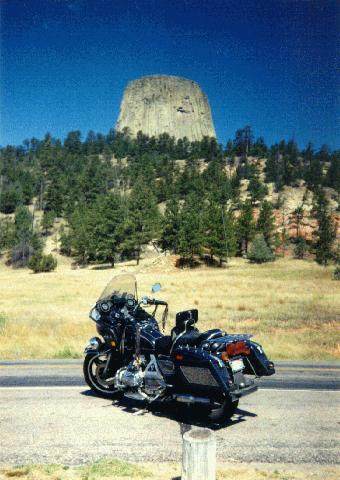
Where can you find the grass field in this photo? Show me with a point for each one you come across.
(118, 470)
(292, 307)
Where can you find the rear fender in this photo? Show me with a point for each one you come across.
(257, 364)
(260, 364)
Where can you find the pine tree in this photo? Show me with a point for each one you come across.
(245, 226)
(295, 171)
(82, 236)
(314, 174)
(26, 241)
(65, 241)
(325, 233)
(54, 196)
(94, 179)
(257, 189)
(259, 251)
(107, 238)
(10, 198)
(229, 149)
(182, 148)
(190, 181)
(300, 248)
(217, 183)
(298, 215)
(47, 221)
(219, 232)
(243, 141)
(142, 221)
(6, 234)
(266, 222)
(259, 148)
(190, 237)
(72, 142)
(170, 226)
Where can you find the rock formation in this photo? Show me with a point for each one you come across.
(159, 103)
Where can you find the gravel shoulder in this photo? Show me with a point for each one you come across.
(66, 425)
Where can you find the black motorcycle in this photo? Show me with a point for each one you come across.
(211, 369)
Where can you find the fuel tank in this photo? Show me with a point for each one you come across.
(148, 336)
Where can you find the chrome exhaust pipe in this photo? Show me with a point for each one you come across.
(191, 399)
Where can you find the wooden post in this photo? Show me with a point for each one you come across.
(199, 455)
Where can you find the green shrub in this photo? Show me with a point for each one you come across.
(259, 251)
(42, 263)
(300, 248)
(10, 199)
(336, 273)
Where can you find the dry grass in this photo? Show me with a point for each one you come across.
(291, 306)
(118, 470)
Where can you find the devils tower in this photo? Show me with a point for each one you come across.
(160, 103)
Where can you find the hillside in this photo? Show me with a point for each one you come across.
(106, 198)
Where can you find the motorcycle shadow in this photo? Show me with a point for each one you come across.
(189, 417)
(185, 416)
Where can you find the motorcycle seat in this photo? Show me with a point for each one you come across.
(192, 338)
(210, 334)
(163, 344)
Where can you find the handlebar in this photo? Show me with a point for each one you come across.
(153, 301)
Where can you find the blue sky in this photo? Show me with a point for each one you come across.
(270, 64)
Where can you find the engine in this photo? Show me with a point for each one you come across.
(130, 377)
(141, 378)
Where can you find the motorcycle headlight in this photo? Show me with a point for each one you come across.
(94, 315)
(105, 307)
(93, 344)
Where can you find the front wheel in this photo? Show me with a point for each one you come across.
(93, 368)
(224, 412)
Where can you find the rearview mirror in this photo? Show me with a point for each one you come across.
(156, 287)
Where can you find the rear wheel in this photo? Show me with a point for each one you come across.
(224, 412)
(94, 368)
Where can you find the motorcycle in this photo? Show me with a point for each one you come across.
(211, 369)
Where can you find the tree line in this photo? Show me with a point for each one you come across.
(113, 208)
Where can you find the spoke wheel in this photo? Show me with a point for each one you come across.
(93, 368)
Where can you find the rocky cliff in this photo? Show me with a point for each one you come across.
(158, 104)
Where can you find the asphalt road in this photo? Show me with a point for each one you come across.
(49, 373)
(48, 415)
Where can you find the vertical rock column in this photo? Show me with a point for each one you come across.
(166, 104)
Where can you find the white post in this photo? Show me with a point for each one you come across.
(199, 455)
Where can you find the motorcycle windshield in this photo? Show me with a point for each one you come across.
(120, 285)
